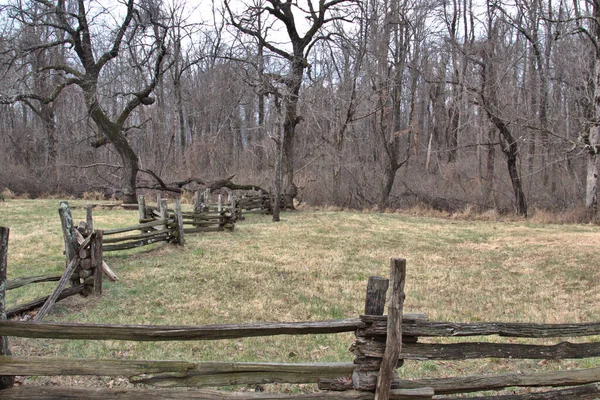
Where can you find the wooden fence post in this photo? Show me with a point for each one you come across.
(198, 201)
(158, 198)
(88, 218)
(96, 247)
(206, 200)
(68, 228)
(367, 367)
(142, 208)
(220, 212)
(6, 381)
(376, 290)
(179, 222)
(163, 210)
(393, 344)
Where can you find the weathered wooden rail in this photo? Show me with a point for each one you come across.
(382, 344)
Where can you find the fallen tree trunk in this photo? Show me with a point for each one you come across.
(177, 187)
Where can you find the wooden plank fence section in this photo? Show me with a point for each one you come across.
(58, 392)
(162, 224)
(382, 344)
(126, 244)
(118, 239)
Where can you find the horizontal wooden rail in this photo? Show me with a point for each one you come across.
(119, 239)
(177, 373)
(205, 215)
(26, 280)
(69, 392)
(467, 384)
(159, 236)
(40, 301)
(202, 229)
(206, 223)
(585, 392)
(166, 333)
(156, 222)
(451, 329)
(467, 351)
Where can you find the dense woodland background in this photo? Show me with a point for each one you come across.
(372, 103)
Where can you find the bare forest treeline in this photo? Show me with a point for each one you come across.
(370, 104)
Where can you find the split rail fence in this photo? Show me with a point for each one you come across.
(84, 269)
(165, 225)
(205, 217)
(381, 345)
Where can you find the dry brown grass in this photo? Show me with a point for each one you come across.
(93, 195)
(578, 215)
(10, 195)
(187, 197)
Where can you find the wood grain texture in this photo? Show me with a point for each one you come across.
(63, 392)
(473, 350)
(393, 344)
(466, 384)
(97, 259)
(378, 327)
(166, 333)
(179, 223)
(26, 280)
(586, 392)
(47, 366)
(376, 291)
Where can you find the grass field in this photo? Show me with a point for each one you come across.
(313, 265)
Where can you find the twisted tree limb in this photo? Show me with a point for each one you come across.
(177, 187)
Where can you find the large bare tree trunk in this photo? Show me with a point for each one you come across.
(489, 100)
(291, 119)
(591, 140)
(591, 189)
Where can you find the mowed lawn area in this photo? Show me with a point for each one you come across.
(313, 265)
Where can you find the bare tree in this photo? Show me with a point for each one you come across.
(397, 31)
(488, 94)
(78, 29)
(296, 56)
